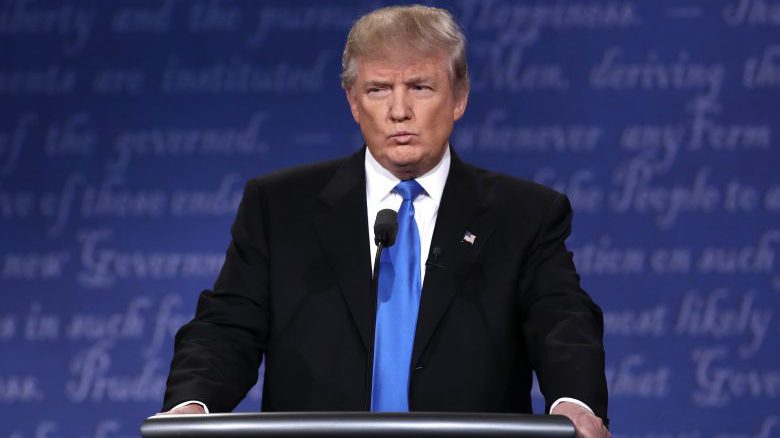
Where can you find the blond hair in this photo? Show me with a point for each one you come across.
(421, 30)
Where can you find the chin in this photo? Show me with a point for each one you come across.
(406, 164)
(407, 169)
(405, 155)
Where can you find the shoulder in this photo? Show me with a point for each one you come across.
(296, 182)
(522, 211)
(498, 188)
(279, 198)
(304, 174)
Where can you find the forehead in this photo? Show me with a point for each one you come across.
(399, 65)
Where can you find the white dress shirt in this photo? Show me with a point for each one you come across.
(379, 195)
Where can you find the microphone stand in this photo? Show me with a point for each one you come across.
(372, 331)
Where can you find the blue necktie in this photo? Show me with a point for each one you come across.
(398, 302)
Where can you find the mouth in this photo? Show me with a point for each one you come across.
(402, 137)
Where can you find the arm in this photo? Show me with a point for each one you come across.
(562, 326)
(218, 353)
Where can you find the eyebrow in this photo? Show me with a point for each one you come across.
(420, 79)
(410, 81)
(378, 83)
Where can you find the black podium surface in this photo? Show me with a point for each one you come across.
(358, 425)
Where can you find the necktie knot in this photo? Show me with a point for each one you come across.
(408, 189)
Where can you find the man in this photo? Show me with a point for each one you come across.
(478, 290)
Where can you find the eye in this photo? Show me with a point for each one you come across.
(421, 87)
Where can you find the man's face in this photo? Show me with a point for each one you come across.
(406, 108)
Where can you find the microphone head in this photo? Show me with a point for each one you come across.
(385, 227)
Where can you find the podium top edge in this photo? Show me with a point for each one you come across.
(359, 425)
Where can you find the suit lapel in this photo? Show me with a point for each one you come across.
(461, 210)
(343, 231)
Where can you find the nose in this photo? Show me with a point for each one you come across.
(399, 105)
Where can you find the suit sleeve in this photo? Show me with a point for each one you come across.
(562, 326)
(218, 353)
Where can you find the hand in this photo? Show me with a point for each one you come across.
(190, 409)
(586, 424)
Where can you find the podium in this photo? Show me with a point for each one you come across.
(358, 425)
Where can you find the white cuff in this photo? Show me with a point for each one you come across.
(192, 402)
(570, 400)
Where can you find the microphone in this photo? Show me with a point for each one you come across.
(385, 232)
(385, 228)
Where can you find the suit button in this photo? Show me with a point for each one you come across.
(419, 368)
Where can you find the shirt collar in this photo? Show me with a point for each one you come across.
(380, 182)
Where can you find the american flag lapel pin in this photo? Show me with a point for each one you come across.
(469, 238)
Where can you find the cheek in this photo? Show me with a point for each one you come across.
(442, 123)
(370, 115)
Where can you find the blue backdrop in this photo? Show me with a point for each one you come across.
(127, 130)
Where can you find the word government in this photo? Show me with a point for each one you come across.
(103, 266)
(720, 381)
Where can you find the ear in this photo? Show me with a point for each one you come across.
(461, 101)
(353, 104)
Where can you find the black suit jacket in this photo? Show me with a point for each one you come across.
(296, 285)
